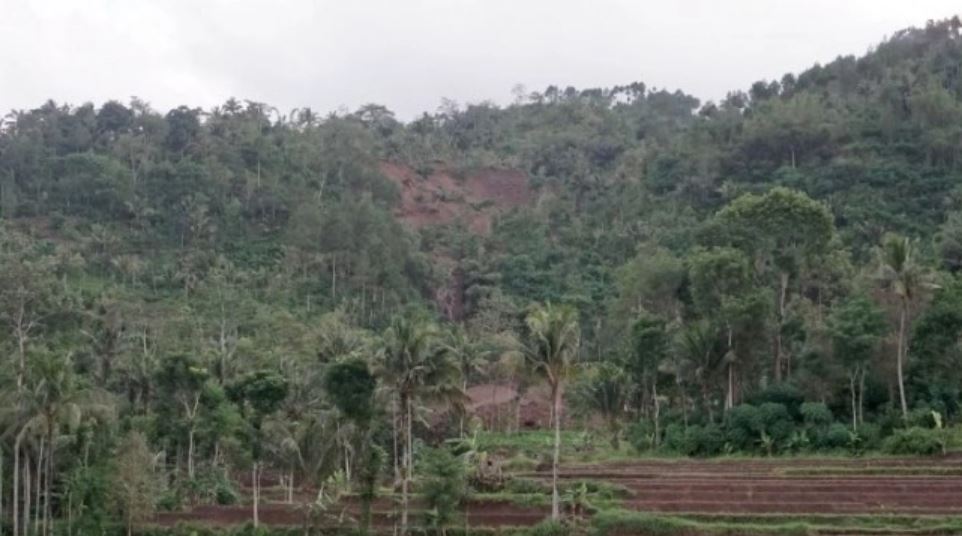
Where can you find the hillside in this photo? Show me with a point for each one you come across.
(239, 290)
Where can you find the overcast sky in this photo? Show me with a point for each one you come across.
(408, 54)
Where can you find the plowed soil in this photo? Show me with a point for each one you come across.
(758, 486)
(688, 487)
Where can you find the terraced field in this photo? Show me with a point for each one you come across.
(885, 486)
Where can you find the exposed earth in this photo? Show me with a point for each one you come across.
(789, 487)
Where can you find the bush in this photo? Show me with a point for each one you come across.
(674, 439)
(444, 487)
(744, 425)
(639, 436)
(921, 418)
(784, 394)
(871, 435)
(776, 421)
(547, 528)
(836, 436)
(815, 414)
(708, 440)
(526, 486)
(914, 441)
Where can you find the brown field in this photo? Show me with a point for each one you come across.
(750, 486)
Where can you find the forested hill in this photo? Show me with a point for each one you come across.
(231, 232)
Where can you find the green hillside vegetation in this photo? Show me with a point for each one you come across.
(776, 273)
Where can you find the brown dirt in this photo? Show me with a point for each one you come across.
(442, 198)
(684, 487)
(497, 406)
(757, 486)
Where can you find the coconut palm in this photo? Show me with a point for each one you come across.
(906, 280)
(418, 368)
(551, 347)
(469, 355)
(50, 403)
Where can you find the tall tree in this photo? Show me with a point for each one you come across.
(418, 368)
(552, 341)
(906, 280)
(780, 230)
(857, 326)
(648, 351)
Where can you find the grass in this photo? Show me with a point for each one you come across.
(624, 522)
(870, 471)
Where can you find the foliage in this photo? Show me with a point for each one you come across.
(914, 441)
(444, 487)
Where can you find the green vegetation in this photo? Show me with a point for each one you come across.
(237, 306)
(616, 522)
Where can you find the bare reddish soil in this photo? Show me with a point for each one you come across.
(441, 197)
(499, 407)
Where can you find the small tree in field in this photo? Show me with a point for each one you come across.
(444, 486)
(351, 386)
(134, 484)
(259, 394)
(553, 338)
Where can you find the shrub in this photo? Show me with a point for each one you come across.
(675, 439)
(525, 486)
(776, 421)
(871, 435)
(815, 414)
(708, 440)
(639, 436)
(836, 436)
(444, 487)
(547, 528)
(744, 425)
(921, 418)
(785, 394)
(914, 441)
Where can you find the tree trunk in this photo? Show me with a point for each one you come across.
(851, 384)
(334, 276)
(656, 405)
(255, 491)
(556, 412)
(782, 296)
(290, 486)
(190, 452)
(861, 397)
(730, 396)
(26, 495)
(38, 505)
(47, 509)
(16, 484)
(900, 355)
(405, 461)
(1, 492)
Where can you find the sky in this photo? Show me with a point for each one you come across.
(409, 54)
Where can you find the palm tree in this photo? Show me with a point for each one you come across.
(418, 368)
(469, 355)
(905, 279)
(551, 347)
(51, 402)
(605, 391)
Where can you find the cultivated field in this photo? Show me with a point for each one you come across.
(729, 496)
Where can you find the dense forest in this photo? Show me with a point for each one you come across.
(194, 299)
